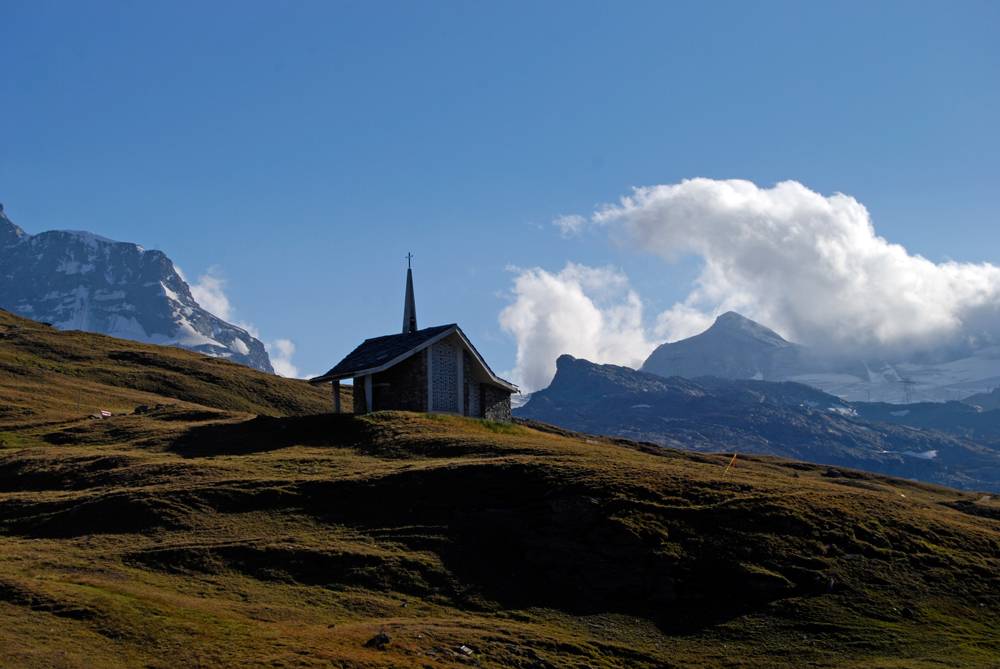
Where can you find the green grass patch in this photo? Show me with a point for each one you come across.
(9, 440)
(497, 427)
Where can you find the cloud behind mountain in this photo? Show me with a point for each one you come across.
(807, 265)
(810, 266)
(584, 311)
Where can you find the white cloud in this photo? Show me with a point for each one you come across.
(249, 327)
(280, 351)
(586, 312)
(209, 293)
(683, 321)
(809, 266)
(570, 225)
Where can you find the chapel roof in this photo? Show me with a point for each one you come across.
(380, 353)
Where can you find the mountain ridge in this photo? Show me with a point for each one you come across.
(733, 347)
(78, 280)
(736, 347)
(783, 419)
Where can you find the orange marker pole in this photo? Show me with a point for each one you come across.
(732, 464)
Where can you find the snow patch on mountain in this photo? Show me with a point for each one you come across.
(925, 455)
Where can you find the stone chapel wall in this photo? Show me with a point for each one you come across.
(444, 376)
(360, 401)
(496, 404)
(470, 390)
(402, 387)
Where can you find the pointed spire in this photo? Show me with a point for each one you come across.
(410, 307)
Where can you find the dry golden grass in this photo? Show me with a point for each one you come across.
(206, 535)
(76, 372)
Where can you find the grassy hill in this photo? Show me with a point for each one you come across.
(232, 529)
(75, 371)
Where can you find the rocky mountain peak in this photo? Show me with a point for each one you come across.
(580, 378)
(9, 233)
(735, 347)
(78, 280)
(733, 321)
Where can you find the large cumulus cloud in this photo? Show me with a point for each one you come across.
(807, 265)
(587, 312)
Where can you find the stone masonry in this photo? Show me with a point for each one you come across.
(496, 404)
(402, 387)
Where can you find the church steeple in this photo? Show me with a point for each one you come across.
(410, 308)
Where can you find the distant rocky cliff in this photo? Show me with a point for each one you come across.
(789, 420)
(738, 348)
(81, 281)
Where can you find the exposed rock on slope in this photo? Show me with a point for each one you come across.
(81, 281)
(985, 401)
(784, 419)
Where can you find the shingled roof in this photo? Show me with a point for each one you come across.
(381, 353)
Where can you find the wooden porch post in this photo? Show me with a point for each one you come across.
(336, 396)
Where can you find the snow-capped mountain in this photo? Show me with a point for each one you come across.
(738, 348)
(82, 281)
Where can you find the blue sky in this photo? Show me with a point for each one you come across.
(303, 148)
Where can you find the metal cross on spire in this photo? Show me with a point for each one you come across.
(410, 305)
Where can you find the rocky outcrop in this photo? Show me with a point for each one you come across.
(789, 420)
(81, 281)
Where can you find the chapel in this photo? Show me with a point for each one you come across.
(434, 370)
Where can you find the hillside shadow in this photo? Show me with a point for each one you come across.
(378, 435)
(265, 434)
(510, 536)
